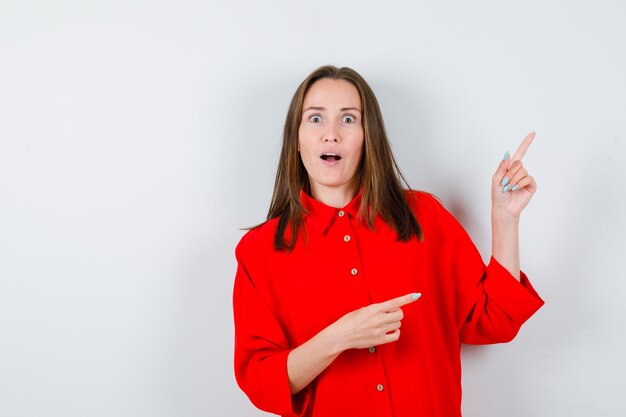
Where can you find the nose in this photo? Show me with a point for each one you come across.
(331, 134)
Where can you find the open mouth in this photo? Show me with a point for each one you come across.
(329, 156)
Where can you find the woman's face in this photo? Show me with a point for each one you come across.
(330, 137)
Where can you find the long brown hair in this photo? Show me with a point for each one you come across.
(377, 175)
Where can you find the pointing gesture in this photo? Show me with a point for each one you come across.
(372, 325)
(512, 187)
(396, 303)
(521, 151)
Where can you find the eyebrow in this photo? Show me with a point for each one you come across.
(324, 108)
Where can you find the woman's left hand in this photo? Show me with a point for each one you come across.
(512, 187)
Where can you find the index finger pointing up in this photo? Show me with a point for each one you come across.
(399, 301)
(523, 147)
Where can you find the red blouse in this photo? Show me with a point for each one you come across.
(281, 300)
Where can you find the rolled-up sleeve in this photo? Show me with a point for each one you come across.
(261, 349)
(502, 306)
(490, 304)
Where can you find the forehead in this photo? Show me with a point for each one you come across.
(331, 93)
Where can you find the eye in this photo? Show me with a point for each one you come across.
(348, 118)
(315, 118)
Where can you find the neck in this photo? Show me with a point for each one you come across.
(337, 197)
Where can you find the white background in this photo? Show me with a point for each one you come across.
(137, 137)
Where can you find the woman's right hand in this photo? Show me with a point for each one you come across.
(373, 325)
(369, 326)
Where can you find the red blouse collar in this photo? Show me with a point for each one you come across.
(322, 216)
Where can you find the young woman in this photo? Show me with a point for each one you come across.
(353, 298)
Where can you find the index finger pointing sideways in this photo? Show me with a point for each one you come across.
(399, 301)
(519, 153)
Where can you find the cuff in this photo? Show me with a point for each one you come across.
(517, 298)
(275, 385)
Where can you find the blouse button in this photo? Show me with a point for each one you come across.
(380, 387)
(346, 238)
(354, 271)
(371, 349)
(341, 213)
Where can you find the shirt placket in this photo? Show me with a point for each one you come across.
(346, 234)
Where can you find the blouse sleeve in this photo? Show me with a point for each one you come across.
(261, 350)
(490, 304)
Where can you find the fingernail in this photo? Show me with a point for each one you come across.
(505, 181)
(416, 296)
(515, 187)
(505, 189)
(506, 156)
